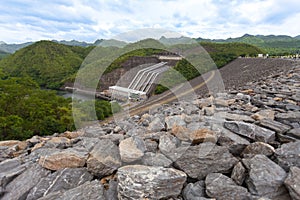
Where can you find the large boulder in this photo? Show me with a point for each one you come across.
(156, 125)
(61, 180)
(156, 159)
(87, 191)
(55, 159)
(220, 186)
(146, 182)
(265, 178)
(251, 131)
(132, 149)
(198, 161)
(22, 184)
(104, 159)
(194, 191)
(258, 148)
(288, 155)
(292, 182)
(174, 120)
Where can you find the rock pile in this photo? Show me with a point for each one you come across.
(242, 144)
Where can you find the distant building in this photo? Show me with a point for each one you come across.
(260, 55)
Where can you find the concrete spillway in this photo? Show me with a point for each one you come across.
(145, 77)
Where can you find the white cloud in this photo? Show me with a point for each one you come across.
(90, 20)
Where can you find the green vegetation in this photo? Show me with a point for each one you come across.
(271, 44)
(26, 110)
(223, 53)
(47, 63)
(3, 54)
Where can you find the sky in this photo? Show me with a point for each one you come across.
(89, 20)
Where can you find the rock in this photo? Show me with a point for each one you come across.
(115, 138)
(233, 117)
(174, 120)
(151, 145)
(292, 182)
(182, 133)
(198, 161)
(93, 132)
(221, 187)
(72, 135)
(86, 142)
(288, 155)
(9, 169)
(59, 159)
(251, 131)
(295, 133)
(171, 147)
(58, 142)
(112, 192)
(10, 143)
(288, 117)
(156, 125)
(104, 159)
(232, 141)
(132, 149)
(264, 114)
(258, 148)
(238, 174)
(22, 184)
(61, 180)
(87, 191)
(203, 135)
(209, 111)
(221, 102)
(265, 177)
(194, 191)
(156, 159)
(145, 182)
(274, 125)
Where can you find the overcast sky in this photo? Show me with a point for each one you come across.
(88, 20)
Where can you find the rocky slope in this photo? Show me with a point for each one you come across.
(243, 144)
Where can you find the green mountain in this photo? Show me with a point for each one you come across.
(3, 54)
(272, 44)
(46, 62)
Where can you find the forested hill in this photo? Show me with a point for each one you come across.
(46, 62)
(272, 44)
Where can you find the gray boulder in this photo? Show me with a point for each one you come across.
(274, 125)
(104, 159)
(156, 159)
(22, 184)
(87, 191)
(146, 182)
(235, 143)
(194, 191)
(174, 120)
(156, 125)
(265, 177)
(238, 174)
(9, 169)
(258, 148)
(198, 161)
(132, 149)
(288, 155)
(292, 182)
(220, 186)
(251, 131)
(59, 181)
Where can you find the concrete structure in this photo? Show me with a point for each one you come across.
(123, 94)
(145, 77)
